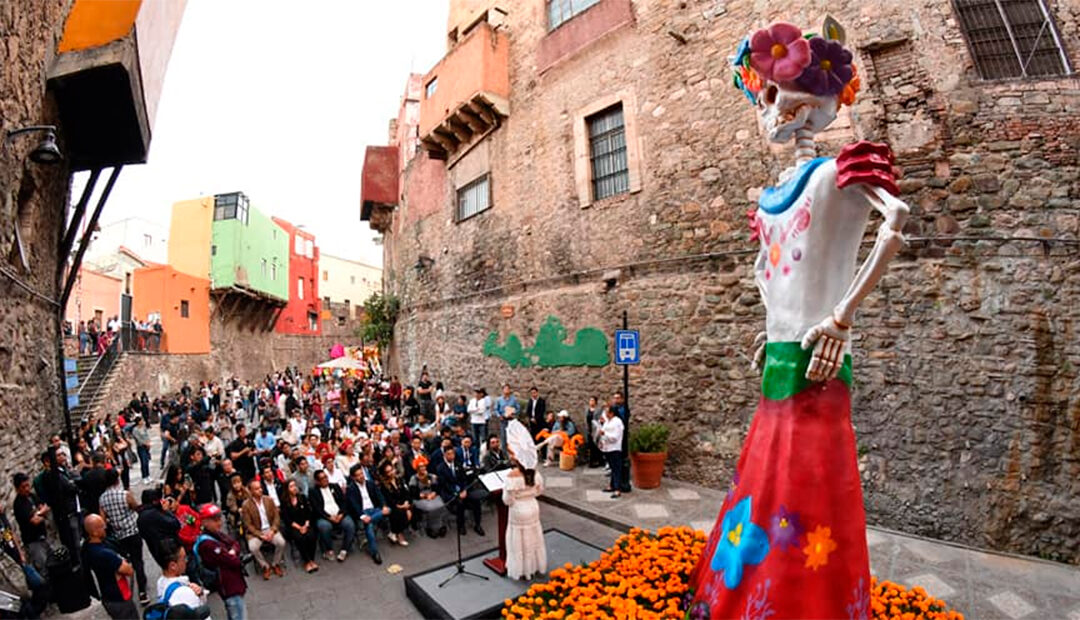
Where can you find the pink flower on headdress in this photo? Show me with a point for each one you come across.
(779, 52)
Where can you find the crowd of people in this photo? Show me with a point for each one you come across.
(95, 336)
(311, 467)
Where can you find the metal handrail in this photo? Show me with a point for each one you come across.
(100, 369)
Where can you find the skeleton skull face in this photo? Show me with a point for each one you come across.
(784, 111)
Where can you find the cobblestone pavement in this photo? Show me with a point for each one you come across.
(981, 584)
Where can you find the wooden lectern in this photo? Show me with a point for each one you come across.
(494, 482)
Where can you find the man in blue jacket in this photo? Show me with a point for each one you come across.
(367, 507)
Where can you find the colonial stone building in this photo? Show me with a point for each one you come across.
(577, 160)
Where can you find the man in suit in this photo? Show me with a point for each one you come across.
(262, 524)
(536, 411)
(366, 506)
(468, 455)
(453, 485)
(331, 513)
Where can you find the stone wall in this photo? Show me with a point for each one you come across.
(32, 201)
(967, 400)
(234, 352)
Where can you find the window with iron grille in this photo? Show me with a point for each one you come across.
(184, 309)
(560, 11)
(474, 198)
(1012, 38)
(607, 152)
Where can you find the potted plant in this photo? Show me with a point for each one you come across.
(648, 452)
(569, 454)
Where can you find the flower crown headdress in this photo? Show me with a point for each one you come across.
(811, 63)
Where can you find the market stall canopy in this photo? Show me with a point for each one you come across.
(344, 363)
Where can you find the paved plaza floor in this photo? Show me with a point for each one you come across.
(980, 584)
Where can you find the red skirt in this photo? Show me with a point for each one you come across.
(790, 540)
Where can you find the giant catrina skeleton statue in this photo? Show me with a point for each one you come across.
(790, 539)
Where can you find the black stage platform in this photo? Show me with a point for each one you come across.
(466, 597)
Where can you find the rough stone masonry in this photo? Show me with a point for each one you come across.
(967, 398)
(32, 206)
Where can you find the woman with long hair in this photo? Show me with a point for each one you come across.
(121, 455)
(397, 498)
(526, 554)
(298, 524)
(179, 485)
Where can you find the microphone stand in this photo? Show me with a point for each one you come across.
(460, 565)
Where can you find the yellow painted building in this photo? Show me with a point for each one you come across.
(190, 236)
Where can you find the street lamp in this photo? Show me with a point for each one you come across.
(46, 152)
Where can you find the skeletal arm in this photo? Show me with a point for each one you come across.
(830, 337)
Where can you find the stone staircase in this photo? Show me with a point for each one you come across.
(95, 378)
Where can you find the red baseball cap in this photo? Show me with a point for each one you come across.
(209, 511)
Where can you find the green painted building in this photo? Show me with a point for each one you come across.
(248, 250)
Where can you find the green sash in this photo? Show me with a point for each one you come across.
(785, 370)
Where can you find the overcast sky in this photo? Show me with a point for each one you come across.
(278, 99)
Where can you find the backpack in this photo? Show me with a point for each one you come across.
(210, 578)
(160, 609)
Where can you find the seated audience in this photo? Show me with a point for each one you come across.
(262, 526)
(429, 506)
(367, 507)
(298, 524)
(328, 504)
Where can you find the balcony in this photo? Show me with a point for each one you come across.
(467, 93)
(379, 186)
(107, 75)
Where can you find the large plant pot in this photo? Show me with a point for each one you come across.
(567, 461)
(646, 468)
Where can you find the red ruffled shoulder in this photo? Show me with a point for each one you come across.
(867, 162)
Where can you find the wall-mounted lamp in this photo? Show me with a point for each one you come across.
(423, 263)
(46, 152)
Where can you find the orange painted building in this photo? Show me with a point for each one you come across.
(303, 313)
(182, 302)
(190, 236)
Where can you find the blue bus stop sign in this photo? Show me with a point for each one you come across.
(627, 347)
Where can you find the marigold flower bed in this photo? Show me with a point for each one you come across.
(644, 576)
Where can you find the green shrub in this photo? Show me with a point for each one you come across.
(649, 438)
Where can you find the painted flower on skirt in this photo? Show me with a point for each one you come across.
(741, 542)
(829, 70)
(819, 544)
(785, 529)
(779, 52)
(700, 611)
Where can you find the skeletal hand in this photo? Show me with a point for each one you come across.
(828, 339)
(758, 363)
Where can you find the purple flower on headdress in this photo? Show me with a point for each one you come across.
(829, 69)
(785, 529)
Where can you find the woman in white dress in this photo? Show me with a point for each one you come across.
(526, 554)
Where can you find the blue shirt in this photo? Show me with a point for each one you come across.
(502, 403)
(265, 441)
